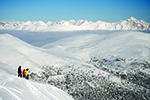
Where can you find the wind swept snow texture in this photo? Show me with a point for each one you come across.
(14, 88)
(72, 25)
(99, 65)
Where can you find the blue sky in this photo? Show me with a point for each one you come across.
(91, 10)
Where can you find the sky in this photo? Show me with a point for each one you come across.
(91, 10)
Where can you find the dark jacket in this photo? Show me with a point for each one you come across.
(19, 69)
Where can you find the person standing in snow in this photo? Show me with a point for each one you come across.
(27, 73)
(19, 72)
(24, 73)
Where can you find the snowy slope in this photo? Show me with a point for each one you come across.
(78, 54)
(72, 25)
(15, 52)
(24, 54)
(77, 48)
(107, 66)
(14, 88)
(129, 44)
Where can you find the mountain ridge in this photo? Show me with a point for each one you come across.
(72, 25)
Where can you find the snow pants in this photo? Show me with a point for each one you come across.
(19, 75)
(27, 77)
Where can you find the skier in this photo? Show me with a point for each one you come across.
(27, 73)
(24, 73)
(19, 72)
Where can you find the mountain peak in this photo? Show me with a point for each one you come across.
(132, 18)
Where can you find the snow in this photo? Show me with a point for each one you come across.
(14, 88)
(125, 44)
(72, 49)
(81, 47)
(72, 25)
(14, 52)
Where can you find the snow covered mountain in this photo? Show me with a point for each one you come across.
(95, 65)
(14, 53)
(72, 25)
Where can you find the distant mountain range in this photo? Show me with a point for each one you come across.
(72, 25)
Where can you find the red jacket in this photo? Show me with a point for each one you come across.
(24, 72)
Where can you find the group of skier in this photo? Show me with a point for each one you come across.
(24, 74)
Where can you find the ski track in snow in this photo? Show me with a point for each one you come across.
(9, 89)
(36, 92)
(54, 96)
(21, 89)
(11, 93)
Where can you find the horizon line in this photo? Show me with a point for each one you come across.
(73, 20)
